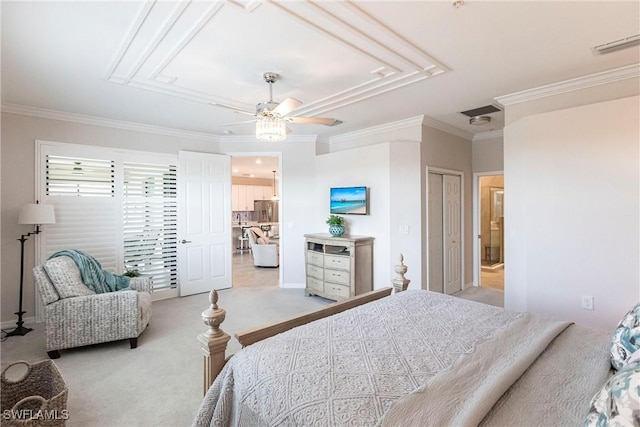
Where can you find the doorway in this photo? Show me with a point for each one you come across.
(445, 231)
(255, 191)
(491, 231)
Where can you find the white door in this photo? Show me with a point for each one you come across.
(204, 222)
(452, 222)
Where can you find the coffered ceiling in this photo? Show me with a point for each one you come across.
(180, 64)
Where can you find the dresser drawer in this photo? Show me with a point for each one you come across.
(338, 291)
(315, 258)
(337, 276)
(315, 271)
(315, 284)
(343, 263)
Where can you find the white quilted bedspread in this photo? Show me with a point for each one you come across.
(349, 368)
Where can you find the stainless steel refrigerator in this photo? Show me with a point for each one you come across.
(265, 211)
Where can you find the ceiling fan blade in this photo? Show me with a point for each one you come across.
(314, 121)
(287, 106)
(239, 123)
(236, 110)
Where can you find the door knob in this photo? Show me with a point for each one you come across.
(185, 241)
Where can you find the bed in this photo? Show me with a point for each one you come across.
(410, 358)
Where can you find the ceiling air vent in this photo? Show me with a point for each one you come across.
(480, 111)
(617, 45)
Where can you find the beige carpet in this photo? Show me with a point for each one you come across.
(160, 382)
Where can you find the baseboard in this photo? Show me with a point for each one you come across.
(164, 294)
(11, 324)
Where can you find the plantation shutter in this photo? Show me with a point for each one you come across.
(82, 191)
(150, 222)
(118, 206)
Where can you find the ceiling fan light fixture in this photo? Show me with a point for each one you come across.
(479, 120)
(271, 129)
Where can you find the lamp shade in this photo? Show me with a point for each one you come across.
(35, 213)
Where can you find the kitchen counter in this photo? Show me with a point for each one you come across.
(251, 224)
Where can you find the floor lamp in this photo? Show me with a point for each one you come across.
(32, 214)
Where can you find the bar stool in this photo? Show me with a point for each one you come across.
(243, 241)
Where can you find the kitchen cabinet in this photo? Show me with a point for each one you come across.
(243, 196)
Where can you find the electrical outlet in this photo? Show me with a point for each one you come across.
(587, 302)
(404, 229)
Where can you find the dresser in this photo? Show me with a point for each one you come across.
(338, 267)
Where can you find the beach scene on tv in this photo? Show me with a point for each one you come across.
(349, 200)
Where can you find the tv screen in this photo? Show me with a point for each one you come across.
(348, 201)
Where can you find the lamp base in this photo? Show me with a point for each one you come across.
(20, 330)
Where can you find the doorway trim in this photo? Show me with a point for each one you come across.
(277, 154)
(476, 222)
(443, 171)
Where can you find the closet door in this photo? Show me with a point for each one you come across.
(445, 233)
(452, 234)
(436, 276)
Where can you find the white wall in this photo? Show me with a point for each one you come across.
(406, 209)
(573, 182)
(366, 166)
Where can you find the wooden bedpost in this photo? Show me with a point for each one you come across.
(214, 341)
(400, 283)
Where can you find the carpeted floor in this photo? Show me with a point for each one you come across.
(160, 382)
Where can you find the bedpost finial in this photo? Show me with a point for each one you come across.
(213, 299)
(213, 316)
(400, 283)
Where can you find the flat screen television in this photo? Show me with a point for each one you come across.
(349, 201)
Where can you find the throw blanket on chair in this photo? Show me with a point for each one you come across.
(93, 276)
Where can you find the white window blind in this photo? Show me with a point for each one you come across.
(83, 194)
(68, 176)
(150, 222)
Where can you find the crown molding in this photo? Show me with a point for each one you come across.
(44, 113)
(488, 135)
(376, 130)
(597, 79)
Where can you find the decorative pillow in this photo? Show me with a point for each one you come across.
(263, 240)
(65, 276)
(618, 403)
(626, 338)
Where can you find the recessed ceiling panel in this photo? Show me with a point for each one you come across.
(329, 54)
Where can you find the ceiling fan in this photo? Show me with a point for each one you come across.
(271, 117)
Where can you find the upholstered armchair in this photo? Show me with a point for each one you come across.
(77, 316)
(265, 253)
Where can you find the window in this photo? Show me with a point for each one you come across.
(68, 176)
(150, 221)
(118, 206)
